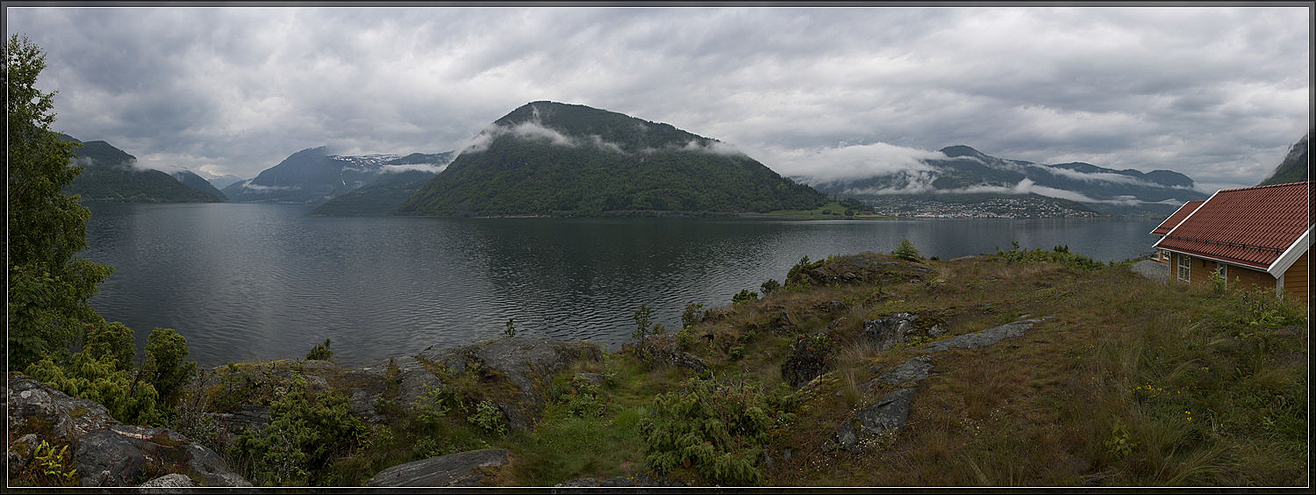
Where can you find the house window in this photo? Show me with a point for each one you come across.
(1185, 263)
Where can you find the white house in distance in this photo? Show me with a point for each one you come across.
(1258, 236)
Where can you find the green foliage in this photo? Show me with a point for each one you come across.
(1218, 280)
(48, 288)
(1059, 254)
(166, 354)
(128, 398)
(305, 433)
(111, 340)
(716, 429)
(643, 324)
(320, 352)
(489, 418)
(1118, 443)
(769, 286)
(510, 331)
(907, 251)
(54, 466)
(432, 407)
(586, 401)
(744, 296)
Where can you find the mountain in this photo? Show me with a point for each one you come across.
(965, 170)
(109, 174)
(223, 181)
(195, 181)
(399, 180)
(1295, 167)
(313, 175)
(548, 158)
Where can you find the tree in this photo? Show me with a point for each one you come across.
(48, 288)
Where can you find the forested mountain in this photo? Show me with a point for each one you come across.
(389, 190)
(967, 170)
(195, 181)
(313, 175)
(548, 158)
(1295, 167)
(109, 175)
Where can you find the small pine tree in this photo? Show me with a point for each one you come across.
(321, 352)
(907, 251)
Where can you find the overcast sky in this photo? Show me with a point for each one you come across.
(1218, 94)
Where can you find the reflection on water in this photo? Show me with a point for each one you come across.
(253, 281)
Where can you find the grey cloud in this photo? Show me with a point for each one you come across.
(1215, 93)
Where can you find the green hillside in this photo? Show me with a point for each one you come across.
(548, 158)
(381, 197)
(108, 175)
(1295, 167)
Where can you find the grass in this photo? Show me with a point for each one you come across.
(1132, 383)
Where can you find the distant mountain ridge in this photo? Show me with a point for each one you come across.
(109, 175)
(1295, 167)
(966, 170)
(314, 176)
(194, 181)
(549, 158)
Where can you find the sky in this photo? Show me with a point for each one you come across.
(1216, 93)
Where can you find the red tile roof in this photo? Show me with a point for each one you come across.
(1251, 226)
(1176, 217)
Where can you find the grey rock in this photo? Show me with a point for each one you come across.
(106, 452)
(986, 337)
(1154, 270)
(171, 480)
(806, 361)
(888, 414)
(887, 333)
(461, 469)
(935, 331)
(913, 370)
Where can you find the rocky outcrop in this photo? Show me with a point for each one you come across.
(527, 364)
(891, 412)
(810, 357)
(863, 267)
(887, 333)
(453, 470)
(888, 414)
(106, 452)
(986, 337)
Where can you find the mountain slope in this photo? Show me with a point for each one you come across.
(548, 158)
(108, 175)
(399, 180)
(195, 181)
(313, 175)
(1295, 167)
(967, 170)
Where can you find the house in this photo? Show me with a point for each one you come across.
(1188, 208)
(1256, 236)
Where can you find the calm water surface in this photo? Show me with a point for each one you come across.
(256, 281)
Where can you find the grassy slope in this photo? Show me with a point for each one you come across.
(1133, 383)
(1198, 394)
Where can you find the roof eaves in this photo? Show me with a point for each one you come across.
(1290, 255)
(1185, 219)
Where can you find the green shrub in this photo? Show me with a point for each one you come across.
(113, 340)
(305, 433)
(488, 418)
(320, 352)
(128, 398)
(907, 251)
(435, 404)
(716, 429)
(166, 354)
(769, 286)
(510, 330)
(744, 296)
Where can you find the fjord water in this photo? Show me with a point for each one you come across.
(263, 281)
